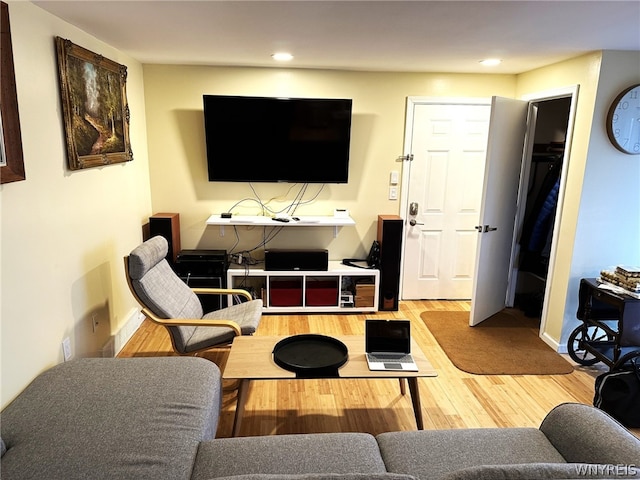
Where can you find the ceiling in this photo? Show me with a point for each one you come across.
(410, 36)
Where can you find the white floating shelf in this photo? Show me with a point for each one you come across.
(305, 221)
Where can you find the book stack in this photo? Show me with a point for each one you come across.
(627, 278)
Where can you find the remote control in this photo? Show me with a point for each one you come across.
(277, 219)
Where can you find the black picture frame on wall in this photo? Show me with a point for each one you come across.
(94, 107)
(11, 156)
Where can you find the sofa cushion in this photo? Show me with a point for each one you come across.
(105, 418)
(582, 433)
(321, 476)
(544, 471)
(434, 453)
(288, 454)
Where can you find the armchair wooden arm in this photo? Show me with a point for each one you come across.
(184, 322)
(222, 291)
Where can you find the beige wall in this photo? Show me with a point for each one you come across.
(582, 71)
(596, 230)
(63, 233)
(178, 162)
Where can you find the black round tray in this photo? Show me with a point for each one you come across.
(311, 356)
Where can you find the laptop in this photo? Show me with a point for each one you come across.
(388, 345)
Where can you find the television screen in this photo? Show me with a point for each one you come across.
(264, 139)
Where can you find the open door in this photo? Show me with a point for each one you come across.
(507, 131)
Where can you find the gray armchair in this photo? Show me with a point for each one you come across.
(168, 301)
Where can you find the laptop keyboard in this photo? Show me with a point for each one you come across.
(390, 357)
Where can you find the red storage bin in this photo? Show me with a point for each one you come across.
(285, 293)
(322, 293)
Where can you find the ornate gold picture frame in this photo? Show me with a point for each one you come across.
(94, 107)
(11, 158)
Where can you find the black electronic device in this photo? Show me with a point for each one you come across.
(268, 139)
(296, 260)
(204, 269)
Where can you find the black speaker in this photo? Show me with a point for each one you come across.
(390, 228)
(167, 225)
(298, 260)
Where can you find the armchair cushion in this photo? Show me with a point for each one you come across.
(247, 315)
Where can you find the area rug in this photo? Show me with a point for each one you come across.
(504, 344)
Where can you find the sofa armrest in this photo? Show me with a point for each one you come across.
(545, 471)
(106, 418)
(585, 434)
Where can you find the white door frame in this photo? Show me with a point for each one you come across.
(412, 102)
(563, 92)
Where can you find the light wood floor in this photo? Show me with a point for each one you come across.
(454, 399)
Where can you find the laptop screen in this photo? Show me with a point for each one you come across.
(388, 336)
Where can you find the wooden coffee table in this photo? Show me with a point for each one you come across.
(251, 358)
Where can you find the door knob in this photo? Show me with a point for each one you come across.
(413, 223)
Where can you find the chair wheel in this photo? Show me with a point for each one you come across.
(575, 344)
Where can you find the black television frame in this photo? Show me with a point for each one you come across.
(277, 139)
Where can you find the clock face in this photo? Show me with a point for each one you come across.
(623, 121)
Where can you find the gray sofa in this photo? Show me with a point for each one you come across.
(156, 418)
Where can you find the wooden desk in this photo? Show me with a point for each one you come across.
(251, 358)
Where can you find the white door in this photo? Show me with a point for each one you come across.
(442, 203)
(507, 130)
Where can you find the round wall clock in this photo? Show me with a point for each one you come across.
(623, 121)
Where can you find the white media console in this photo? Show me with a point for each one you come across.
(341, 288)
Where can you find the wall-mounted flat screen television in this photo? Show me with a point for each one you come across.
(268, 139)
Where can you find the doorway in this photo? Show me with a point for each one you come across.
(549, 137)
(535, 229)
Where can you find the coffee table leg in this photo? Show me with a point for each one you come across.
(403, 388)
(415, 400)
(243, 388)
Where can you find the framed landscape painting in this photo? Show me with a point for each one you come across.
(94, 107)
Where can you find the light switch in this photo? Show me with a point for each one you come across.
(393, 193)
(393, 178)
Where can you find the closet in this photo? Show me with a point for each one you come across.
(536, 229)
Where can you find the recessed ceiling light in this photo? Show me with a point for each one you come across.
(491, 62)
(282, 57)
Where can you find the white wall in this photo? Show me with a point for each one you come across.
(64, 233)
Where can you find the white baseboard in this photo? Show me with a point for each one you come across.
(123, 335)
(553, 343)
